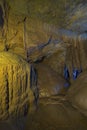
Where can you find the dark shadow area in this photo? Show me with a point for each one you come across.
(1, 17)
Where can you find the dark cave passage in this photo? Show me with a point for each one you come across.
(1, 17)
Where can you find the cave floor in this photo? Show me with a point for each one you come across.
(56, 114)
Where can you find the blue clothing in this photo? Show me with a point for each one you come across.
(75, 73)
(66, 73)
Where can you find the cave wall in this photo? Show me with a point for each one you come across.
(40, 22)
(16, 96)
(26, 24)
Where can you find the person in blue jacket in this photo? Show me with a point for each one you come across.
(66, 73)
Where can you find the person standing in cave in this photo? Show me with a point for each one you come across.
(66, 73)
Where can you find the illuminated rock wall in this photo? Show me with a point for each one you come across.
(15, 93)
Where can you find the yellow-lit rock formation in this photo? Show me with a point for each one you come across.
(15, 93)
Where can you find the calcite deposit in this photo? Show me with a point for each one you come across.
(15, 92)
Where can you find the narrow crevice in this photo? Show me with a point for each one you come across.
(34, 83)
(7, 89)
(1, 17)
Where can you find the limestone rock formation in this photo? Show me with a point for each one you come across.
(45, 50)
(77, 93)
(15, 92)
(30, 24)
(39, 25)
(49, 82)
